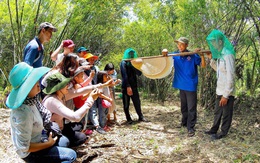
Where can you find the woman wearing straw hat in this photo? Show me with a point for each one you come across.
(26, 121)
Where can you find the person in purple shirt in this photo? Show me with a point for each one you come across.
(34, 50)
(186, 80)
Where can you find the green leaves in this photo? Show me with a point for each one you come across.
(108, 27)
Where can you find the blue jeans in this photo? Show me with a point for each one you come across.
(93, 114)
(102, 114)
(63, 141)
(53, 154)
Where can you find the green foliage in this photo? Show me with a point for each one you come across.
(108, 27)
(3, 94)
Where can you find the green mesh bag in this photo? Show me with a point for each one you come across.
(219, 45)
(130, 53)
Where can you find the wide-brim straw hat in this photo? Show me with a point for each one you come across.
(23, 77)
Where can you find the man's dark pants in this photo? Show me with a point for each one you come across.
(188, 108)
(136, 101)
(224, 113)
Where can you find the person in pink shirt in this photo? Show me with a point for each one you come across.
(57, 91)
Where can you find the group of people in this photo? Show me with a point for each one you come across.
(51, 108)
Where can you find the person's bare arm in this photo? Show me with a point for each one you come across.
(203, 63)
(34, 147)
(56, 52)
(72, 93)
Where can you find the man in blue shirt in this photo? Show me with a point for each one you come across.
(186, 80)
(34, 50)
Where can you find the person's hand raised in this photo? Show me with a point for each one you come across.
(165, 52)
(108, 83)
(92, 74)
(209, 55)
(94, 94)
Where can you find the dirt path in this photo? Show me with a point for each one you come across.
(159, 140)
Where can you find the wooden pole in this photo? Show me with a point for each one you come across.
(170, 55)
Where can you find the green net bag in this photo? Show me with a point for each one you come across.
(219, 45)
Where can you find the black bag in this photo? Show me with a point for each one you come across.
(54, 128)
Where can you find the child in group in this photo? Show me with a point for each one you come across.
(93, 112)
(80, 100)
(110, 69)
(26, 120)
(82, 51)
(104, 103)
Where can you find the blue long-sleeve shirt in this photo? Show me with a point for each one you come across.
(33, 53)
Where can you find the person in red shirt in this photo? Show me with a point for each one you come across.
(80, 100)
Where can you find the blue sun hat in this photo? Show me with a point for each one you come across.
(23, 77)
(81, 49)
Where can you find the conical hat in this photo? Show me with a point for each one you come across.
(154, 68)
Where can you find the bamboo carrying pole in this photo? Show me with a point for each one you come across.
(170, 55)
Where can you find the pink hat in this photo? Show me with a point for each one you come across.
(68, 43)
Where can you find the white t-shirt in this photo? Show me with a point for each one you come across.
(59, 58)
